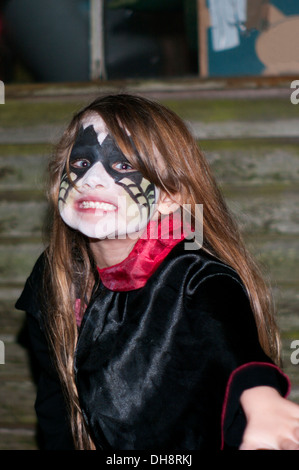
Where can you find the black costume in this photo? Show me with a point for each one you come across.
(166, 346)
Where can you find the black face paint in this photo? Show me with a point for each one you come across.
(87, 147)
(88, 151)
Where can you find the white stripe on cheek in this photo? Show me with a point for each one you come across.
(73, 176)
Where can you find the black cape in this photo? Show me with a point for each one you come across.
(160, 367)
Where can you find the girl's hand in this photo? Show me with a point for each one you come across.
(272, 421)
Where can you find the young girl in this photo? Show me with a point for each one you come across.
(146, 338)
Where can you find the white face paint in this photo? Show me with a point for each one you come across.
(110, 198)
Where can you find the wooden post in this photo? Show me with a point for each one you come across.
(202, 25)
(97, 46)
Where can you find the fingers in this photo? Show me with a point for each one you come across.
(284, 444)
(288, 444)
(253, 446)
(293, 443)
(245, 447)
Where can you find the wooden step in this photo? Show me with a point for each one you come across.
(16, 262)
(23, 220)
(18, 438)
(280, 254)
(23, 167)
(272, 210)
(234, 162)
(33, 122)
(56, 111)
(253, 162)
(269, 209)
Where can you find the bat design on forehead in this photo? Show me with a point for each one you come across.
(88, 151)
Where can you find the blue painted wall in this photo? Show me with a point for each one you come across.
(242, 60)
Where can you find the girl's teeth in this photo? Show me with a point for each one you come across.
(105, 206)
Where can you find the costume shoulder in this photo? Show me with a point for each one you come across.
(199, 270)
(216, 300)
(29, 298)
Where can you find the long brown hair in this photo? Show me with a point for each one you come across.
(159, 135)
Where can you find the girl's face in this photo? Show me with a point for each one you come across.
(108, 197)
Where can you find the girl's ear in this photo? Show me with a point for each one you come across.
(166, 204)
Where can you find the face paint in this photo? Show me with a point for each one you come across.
(110, 198)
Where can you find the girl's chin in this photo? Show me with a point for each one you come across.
(103, 226)
(89, 218)
(109, 233)
(96, 214)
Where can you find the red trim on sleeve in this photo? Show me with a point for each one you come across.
(230, 380)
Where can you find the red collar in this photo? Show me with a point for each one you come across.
(148, 253)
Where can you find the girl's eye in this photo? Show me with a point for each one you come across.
(123, 167)
(81, 163)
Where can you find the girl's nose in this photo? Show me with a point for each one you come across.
(97, 176)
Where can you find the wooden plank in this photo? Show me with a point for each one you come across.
(18, 438)
(98, 68)
(202, 39)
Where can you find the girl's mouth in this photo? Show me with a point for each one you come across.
(88, 205)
